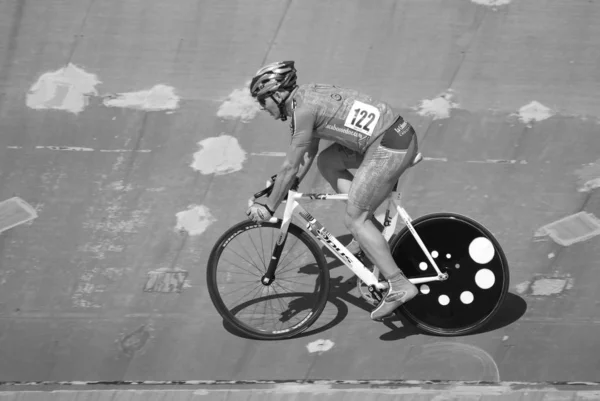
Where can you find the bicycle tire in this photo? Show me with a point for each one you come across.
(451, 321)
(229, 316)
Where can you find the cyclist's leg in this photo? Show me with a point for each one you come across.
(374, 180)
(334, 163)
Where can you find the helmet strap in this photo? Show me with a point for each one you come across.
(281, 106)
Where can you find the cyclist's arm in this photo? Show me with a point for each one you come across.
(309, 157)
(303, 142)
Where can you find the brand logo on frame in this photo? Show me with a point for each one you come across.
(325, 235)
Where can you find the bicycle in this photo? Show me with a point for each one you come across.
(462, 281)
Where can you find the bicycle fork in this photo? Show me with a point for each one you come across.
(269, 276)
(316, 228)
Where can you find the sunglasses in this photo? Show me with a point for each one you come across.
(262, 101)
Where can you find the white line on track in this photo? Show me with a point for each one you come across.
(266, 154)
(81, 149)
(272, 154)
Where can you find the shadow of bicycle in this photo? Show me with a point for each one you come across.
(340, 296)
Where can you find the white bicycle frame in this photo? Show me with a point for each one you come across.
(293, 208)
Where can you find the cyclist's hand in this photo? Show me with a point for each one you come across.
(258, 212)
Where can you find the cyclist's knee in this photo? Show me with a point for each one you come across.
(337, 158)
(355, 218)
(328, 161)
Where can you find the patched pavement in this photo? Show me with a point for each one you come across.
(107, 283)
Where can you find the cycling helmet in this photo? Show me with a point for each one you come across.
(271, 78)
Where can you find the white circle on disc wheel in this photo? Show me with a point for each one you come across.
(423, 266)
(485, 278)
(466, 297)
(444, 300)
(435, 254)
(425, 289)
(481, 250)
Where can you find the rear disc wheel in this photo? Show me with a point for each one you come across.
(475, 263)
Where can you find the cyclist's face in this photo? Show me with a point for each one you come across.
(269, 105)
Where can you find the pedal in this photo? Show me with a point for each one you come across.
(369, 293)
(375, 294)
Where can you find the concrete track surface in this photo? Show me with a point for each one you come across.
(112, 181)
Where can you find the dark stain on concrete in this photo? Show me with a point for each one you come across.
(180, 250)
(134, 341)
(171, 281)
(3, 240)
(133, 155)
(13, 35)
(79, 35)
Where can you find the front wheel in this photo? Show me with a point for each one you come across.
(475, 263)
(281, 309)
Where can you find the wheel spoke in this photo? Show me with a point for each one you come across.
(250, 273)
(263, 311)
(256, 288)
(259, 256)
(251, 263)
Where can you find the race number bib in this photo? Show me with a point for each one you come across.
(362, 118)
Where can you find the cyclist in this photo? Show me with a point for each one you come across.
(369, 137)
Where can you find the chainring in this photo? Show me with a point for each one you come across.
(363, 289)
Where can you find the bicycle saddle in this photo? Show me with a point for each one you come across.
(416, 159)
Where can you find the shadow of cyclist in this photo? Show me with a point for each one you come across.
(511, 310)
(400, 327)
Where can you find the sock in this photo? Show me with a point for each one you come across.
(397, 278)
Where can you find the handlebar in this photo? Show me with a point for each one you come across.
(269, 188)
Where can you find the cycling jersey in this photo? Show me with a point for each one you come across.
(342, 115)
